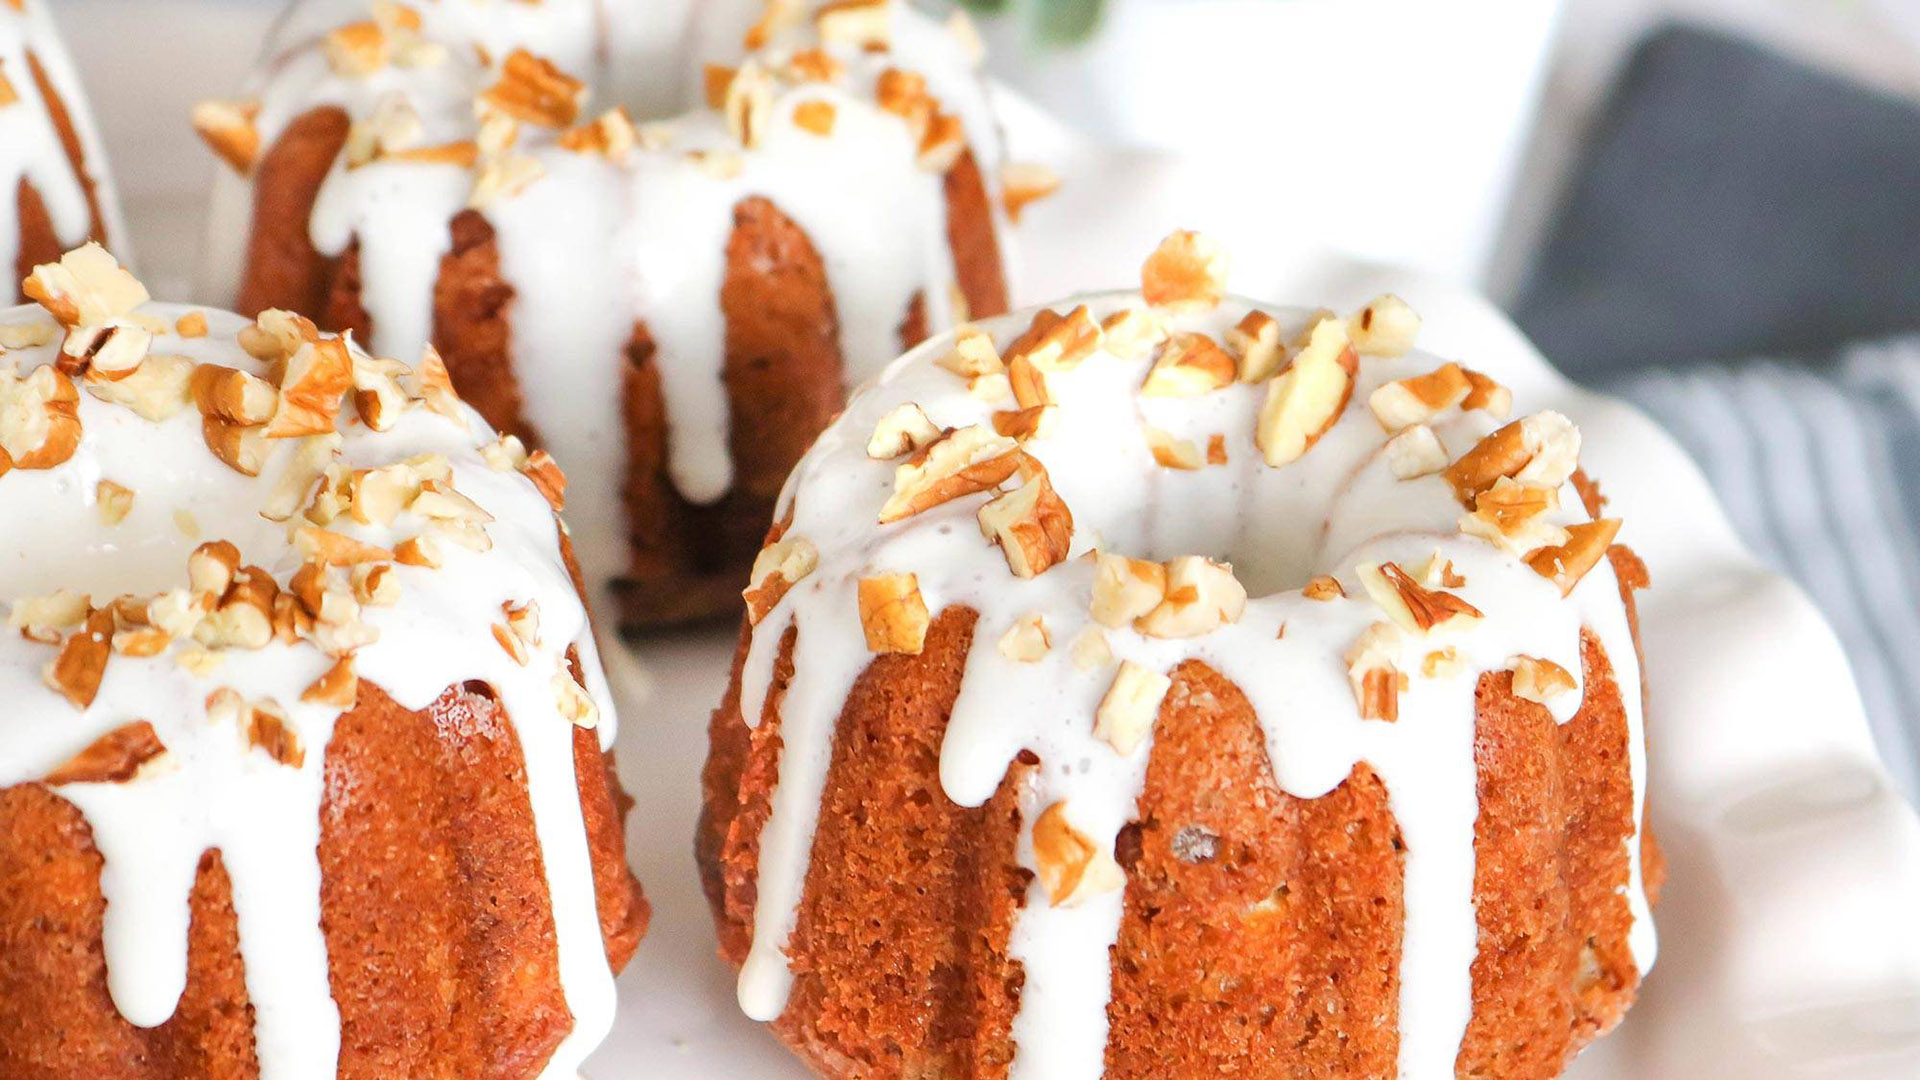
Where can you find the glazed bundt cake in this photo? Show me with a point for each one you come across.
(674, 307)
(302, 755)
(1167, 686)
(54, 190)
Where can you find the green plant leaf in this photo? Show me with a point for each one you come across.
(1067, 22)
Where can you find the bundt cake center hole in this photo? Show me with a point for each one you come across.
(1265, 565)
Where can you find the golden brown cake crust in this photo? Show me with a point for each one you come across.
(737, 783)
(1262, 931)
(912, 898)
(1554, 969)
(283, 270)
(39, 242)
(471, 326)
(784, 384)
(423, 806)
(978, 269)
(434, 903)
(57, 1021)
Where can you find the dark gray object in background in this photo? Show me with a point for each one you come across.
(1731, 202)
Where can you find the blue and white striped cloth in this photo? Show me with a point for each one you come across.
(1819, 469)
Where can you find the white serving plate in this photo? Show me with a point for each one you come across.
(1790, 931)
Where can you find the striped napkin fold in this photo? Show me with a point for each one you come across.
(1819, 469)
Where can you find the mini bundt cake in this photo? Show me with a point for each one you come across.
(54, 190)
(1018, 776)
(675, 308)
(303, 761)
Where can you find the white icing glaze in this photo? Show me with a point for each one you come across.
(595, 246)
(263, 816)
(1335, 508)
(30, 147)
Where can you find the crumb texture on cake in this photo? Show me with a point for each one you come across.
(54, 188)
(1167, 685)
(304, 765)
(674, 305)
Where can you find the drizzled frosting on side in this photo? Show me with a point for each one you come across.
(1182, 470)
(123, 609)
(598, 241)
(30, 147)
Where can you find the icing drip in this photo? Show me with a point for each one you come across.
(263, 816)
(30, 147)
(1340, 507)
(596, 246)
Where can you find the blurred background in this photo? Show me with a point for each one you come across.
(1711, 207)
